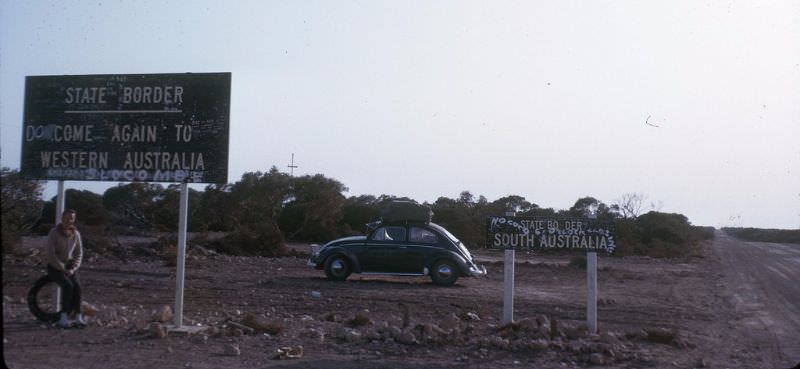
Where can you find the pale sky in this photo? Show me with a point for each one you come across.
(550, 100)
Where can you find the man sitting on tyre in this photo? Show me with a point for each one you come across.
(64, 254)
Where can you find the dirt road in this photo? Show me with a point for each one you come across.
(728, 308)
(762, 281)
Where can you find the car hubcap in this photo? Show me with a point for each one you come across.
(337, 266)
(444, 271)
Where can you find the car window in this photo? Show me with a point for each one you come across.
(422, 235)
(397, 234)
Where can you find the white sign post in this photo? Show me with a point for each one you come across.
(508, 287)
(591, 296)
(182, 222)
(508, 282)
(60, 201)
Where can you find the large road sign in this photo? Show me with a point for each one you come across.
(529, 233)
(133, 127)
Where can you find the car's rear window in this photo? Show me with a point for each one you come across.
(422, 235)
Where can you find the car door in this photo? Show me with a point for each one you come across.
(382, 249)
(422, 243)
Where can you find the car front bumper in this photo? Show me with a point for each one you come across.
(477, 271)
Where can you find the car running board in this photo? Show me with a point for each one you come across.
(424, 273)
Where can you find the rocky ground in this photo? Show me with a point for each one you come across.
(277, 312)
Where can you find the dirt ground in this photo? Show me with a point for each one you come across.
(652, 313)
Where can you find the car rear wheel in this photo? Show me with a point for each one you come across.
(337, 267)
(444, 273)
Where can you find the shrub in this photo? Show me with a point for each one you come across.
(21, 206)
(661, 335)
(360, 320)
(578, 260)
(264, 239)
(660, 235)
(765, 235)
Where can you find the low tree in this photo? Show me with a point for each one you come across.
(315, 209)
(21, 206)
(87, 204)
(631, 204)
(590, 206)
(217, 210)
(464, 217)
(357, 211)
(133, 204)
(166, 211)
(512, 203)
(256, 203)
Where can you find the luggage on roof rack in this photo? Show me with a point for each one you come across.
(398, 211)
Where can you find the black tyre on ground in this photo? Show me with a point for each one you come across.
(40, 301)
(444, 273)
(337, 267)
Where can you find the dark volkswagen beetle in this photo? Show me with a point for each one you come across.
(398, 248)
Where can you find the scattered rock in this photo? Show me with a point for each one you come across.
(538, 345)
(158, 331)
(360, 319)
(390, 333)
(346, 334)
(553, 328)
(430, 333)
(543, 321)
(372, 335)
(602, 302)
(450, 323)
(701, 363)
(232, 349)
(88, 309)
(473, 316)
(406, 337)
(661, 335)
(317, 334)
(261, 325)
(140, 325)
(597, 359)
(289, 353)
(163, 314)
(573, 331)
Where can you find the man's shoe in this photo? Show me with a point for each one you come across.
(80, 319)
(64, 321)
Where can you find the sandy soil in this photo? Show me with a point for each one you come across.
(679, 313)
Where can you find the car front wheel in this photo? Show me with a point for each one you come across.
(337, 267)
(444, 273)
